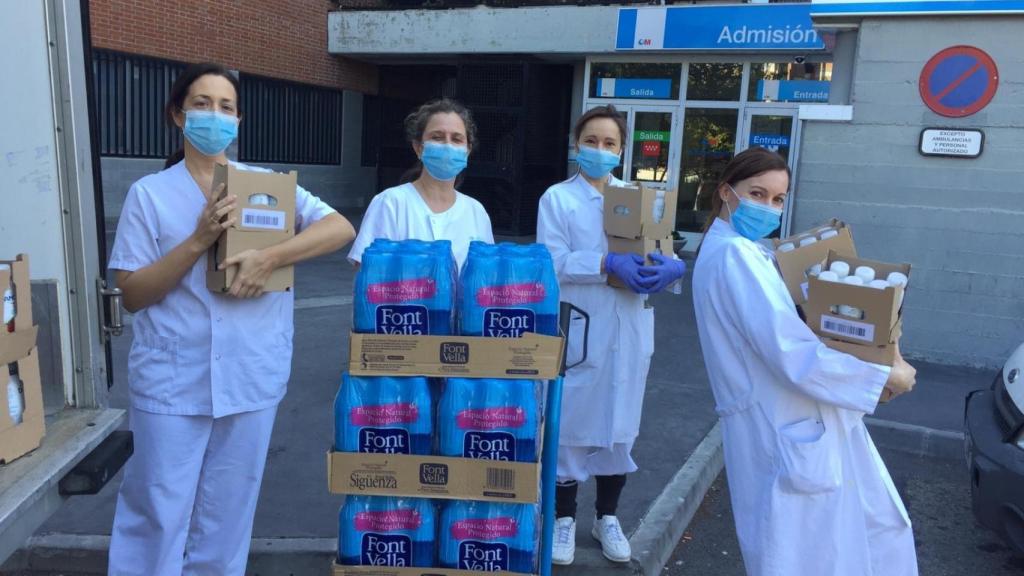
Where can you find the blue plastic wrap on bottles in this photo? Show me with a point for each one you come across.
(489, 419)
(386, 531)
(507, 290)
(488, 536)
(383, 415)
(405, 287)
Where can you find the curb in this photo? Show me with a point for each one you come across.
(653, 541)
(920, 441)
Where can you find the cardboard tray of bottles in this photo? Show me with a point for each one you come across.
(18, 347)
(530, 357)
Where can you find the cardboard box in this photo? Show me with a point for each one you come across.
(629, 212)
(884, 354)
(265, 216)
(339, 570)
(794, 264)
(532, 356)
(641, 246)
(432, 477)
(880, 309)
(19, 347)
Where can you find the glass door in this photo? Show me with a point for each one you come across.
(651, 148)
(777, 130)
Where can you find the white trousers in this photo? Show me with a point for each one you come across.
(579, 463)
(188, 498)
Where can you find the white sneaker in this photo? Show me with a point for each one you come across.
(563, 550)
(613, 542)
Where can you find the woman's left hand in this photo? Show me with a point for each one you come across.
(254, 270)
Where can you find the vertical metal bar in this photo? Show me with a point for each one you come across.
(549, 472)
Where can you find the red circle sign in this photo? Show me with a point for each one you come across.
(959, 81)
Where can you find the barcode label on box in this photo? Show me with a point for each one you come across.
(263, 219)
(848, 328)
(501, 479)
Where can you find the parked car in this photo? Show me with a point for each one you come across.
(994, 438)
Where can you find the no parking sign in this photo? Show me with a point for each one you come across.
(959, 81)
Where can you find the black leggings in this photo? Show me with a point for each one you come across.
(609, 488)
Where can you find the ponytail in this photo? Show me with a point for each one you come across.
(175, 158)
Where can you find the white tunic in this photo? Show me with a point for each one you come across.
(810, 494)
(603, 397)
(400, 213)
(195, 352)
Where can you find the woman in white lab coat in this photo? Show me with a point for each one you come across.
(603, 396)
(206, 371)
(810, 494)
(428, 207)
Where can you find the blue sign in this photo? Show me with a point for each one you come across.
(634, 88)
(769, 141)
(793, 90)
(730, 27)
(959, 81)
(918, 7)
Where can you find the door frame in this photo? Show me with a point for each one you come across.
(675, 143)
(743, 143)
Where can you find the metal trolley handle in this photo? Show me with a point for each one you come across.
(566, 311)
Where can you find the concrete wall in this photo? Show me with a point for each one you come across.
(959, 222)
(348, 187)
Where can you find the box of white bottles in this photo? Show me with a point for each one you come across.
(858, 302)
(21, 421)
(800, 256)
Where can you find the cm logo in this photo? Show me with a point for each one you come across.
(645, 42)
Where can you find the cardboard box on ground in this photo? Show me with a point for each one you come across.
(265, 216)
(630, 223)
(19, 347)
(872, 336)
(339, 570)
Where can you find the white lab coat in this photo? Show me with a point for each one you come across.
(400, 213)
(810, 494)
(205, 375)
(603, 397)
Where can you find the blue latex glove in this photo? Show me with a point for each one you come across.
(665, 271)
(627, 268)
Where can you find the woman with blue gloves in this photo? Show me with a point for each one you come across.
(428, 207)
(603, 397)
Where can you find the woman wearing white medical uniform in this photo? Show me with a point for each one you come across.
(603, 397)
(442, 134)
(810, 494)
(206, 371)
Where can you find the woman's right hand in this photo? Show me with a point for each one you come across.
(211, 222)
(902, 377)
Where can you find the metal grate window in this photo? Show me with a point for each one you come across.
(288, 122)
(130, 95)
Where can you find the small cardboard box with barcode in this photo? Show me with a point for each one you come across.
(264, 216)
(19, 365)
(798, 254)
(859, 315)
(639, 211)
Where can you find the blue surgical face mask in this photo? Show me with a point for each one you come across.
(210, 132)
(444, 161)
(753, 220)
(596, 163)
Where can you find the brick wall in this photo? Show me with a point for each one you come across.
(277, 38)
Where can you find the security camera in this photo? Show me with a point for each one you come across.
(799, 59)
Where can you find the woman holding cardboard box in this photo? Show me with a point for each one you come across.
(603, 397)
(206, 371)
(810, 493)
(428, 206)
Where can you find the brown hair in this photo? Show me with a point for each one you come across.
(747, 164)
(416, 125)
(607, 111)
(179, 91)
